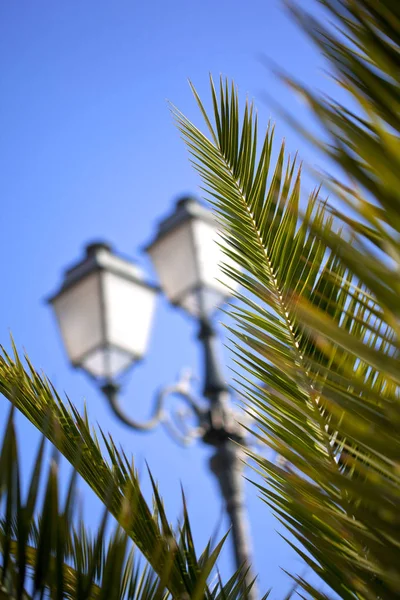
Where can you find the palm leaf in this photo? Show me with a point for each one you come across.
(171, 556)
(363, 141)
(54, 553)
(313, 394)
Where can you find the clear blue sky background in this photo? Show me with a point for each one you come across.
(88, 150)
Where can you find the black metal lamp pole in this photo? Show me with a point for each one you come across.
(224, 433)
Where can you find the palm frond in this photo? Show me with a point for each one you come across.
(55, 553)
(327, 403)
(171, 556)
(363, 52)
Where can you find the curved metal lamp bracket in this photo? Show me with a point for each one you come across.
(176, 420)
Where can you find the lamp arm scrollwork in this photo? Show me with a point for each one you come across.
(177, 420)
(111, 391)
(182, 389)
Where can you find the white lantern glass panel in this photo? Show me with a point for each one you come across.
(211, 257)
(202, 301)
(129, 307)
(107, 362)
(174, 259)
(78, 311)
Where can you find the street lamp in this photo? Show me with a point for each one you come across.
(104, 310)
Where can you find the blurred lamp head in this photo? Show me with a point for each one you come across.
(104, 309)
(187, 258)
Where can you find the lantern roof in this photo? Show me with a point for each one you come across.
(99, 256)
(186, 208)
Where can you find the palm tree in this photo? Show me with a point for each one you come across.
(316, 337)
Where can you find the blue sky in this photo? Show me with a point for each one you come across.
(88, 150)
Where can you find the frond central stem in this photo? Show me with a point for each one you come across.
(283, 309)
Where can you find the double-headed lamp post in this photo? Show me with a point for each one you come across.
(104, 310)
